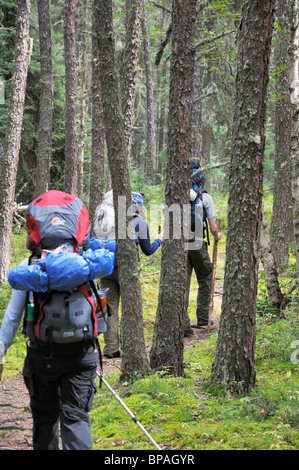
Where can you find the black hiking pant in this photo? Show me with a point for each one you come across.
(61, 392)
(199, 260)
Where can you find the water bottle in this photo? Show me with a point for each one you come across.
(30, 319)
(102, 315)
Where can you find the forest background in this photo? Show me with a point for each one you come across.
(217, 75)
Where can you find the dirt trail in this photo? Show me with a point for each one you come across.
(15, 415)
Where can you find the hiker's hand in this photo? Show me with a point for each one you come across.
(1, 370)
(160, 236)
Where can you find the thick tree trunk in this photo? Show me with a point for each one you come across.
(128, 70)
(161, 120)
(271, 274)
(150, 141)
(9, 154)
(44, 144)
(294, 161)
(234, 365)
(97, 169)
(197, 91)
(83, 79)
(281, 222)
(134, 358)
(71, 81)
(168, 340)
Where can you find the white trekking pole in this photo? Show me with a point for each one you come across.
(100, 374)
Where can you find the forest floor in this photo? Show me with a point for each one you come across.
(15, 415)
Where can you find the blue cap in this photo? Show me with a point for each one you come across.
(137, 198)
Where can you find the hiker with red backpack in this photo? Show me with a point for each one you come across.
(62, 325)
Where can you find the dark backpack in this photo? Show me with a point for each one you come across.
(58, 317)
(61, 317)
(196, 185)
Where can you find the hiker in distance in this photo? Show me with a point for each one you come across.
(103, 227)
(62, 349)
(198, 256)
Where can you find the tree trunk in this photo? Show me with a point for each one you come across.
(168, 340)
(10, 151)
(234, 365)
(44, 144)
(71, 81)
(97, 169)
(159, 109)
(294, 161)
(161, 120)
(271, 274)
(128, 71)
(197, 91)
(150, 141)
(81, 146)
(134, 358)
(282, 195)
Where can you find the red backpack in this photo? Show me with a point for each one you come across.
(55, 217)
(52, 219)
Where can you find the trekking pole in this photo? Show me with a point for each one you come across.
(100, 374)
(215, 248)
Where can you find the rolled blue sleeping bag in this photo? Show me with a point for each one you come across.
(62, 271)
(28, 278)
(97, 243)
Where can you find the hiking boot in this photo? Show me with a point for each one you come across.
(113, 355)
(202, 324)
(188, 333)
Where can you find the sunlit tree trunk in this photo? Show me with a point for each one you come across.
(9, 152)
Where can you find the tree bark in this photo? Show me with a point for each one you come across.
(294, 159)
(44, 144)
(83, 79)
(134, 358)
(10, 151)
(97, 170)
(275, 295)
(234, 365)
(150, 141)
(280, 232)
(197, 91)
(168, 340)
(71, 83)
(128, 70)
